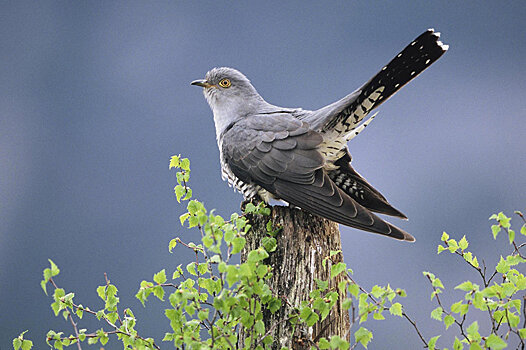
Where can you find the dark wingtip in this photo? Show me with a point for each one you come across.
(409, 238)
(398, 233)
(390, 210)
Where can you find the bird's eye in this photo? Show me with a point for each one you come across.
(225, 83)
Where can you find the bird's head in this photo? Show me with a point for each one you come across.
(230, 95)
(228, 89)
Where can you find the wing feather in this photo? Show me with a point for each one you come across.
(286, 162)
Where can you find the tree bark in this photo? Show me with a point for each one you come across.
(302, 244)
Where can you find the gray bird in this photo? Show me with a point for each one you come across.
(301, 156)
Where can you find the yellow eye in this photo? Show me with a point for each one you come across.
(225, 83)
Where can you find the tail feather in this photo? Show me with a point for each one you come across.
(403, 68)
(352, 183)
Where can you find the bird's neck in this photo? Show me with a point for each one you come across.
(227, 114)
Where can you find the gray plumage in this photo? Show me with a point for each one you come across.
(301, 156)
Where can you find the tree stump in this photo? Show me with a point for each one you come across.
(302, 244)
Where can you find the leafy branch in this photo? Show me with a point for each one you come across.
(211, 299)
(503, 302)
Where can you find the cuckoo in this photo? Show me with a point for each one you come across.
(301, 156)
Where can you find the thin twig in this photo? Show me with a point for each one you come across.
(117, 330)
(76, 330)
(404, 314)
(416, 328)
(459, 324)
(271, 329)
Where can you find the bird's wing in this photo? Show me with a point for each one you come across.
(279, 153)
(346, 113)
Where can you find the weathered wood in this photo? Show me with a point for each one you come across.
(302, 244)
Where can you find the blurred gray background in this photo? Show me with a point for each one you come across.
(95, 98)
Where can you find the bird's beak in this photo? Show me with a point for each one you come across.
(201, 82)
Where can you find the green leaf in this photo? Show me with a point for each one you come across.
(378, 316)
(259, 327)
(202, 268)
(511, 236)
(503, 220)
(513, 319)
(495, 343)
(21, 343)
(495, 229)
(160, 277)
(523, 230)
(172, 244)
(377, 291)
(322, 285)
(354, 289)
(324, 344)
(191, 268)
(347, 303)
(174, 161)
(339, 343)
(502, 266)
(457, 345)
(437, 283)
(363, 336)
(257, 255)
(274, 305)
(437, 313)
(43, 284)
(456, 307)
(179, 192)
(468, 256)
(111, 290)
(465, 286)
(183, 218)
(101, 291)
(522, 333)
(265, 212)
(203, 314)
(112, 317)
(237, 244)
(473, 330)
(158, 291)
(250, 208)
(177, 273)
(185, 164)
(448, 321)
(475, 262)
(463, 243)
(309, 316)
(444, 237)
(453, 245)
(432, 342)
(269, 243)
(396, 309)
(337, 269)
(80, 311)
(54, 268)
